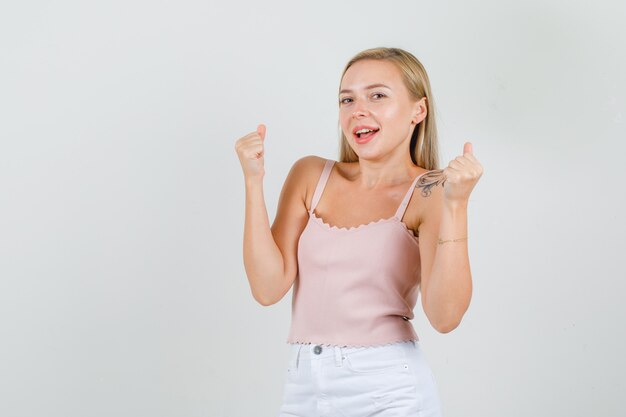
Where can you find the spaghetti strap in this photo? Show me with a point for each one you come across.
(407, 198)
(321, 183)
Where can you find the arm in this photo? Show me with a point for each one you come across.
(270, 253)
(446, 285)
(446, 277)
(262, 258)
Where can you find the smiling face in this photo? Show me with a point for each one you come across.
(376, 113)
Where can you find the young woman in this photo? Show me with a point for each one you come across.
(358, 244)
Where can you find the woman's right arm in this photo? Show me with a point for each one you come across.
(270, 253)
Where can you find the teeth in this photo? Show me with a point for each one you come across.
(358, 132)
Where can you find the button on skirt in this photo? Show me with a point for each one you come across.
(390, 380)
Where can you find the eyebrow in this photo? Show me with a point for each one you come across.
(369, 87)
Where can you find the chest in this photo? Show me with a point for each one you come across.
(372, 254)
(344, 208)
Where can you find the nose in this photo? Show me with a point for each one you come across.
(360, 110)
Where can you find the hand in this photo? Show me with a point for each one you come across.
(250, 151)
(461, 175)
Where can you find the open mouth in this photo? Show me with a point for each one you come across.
(365, 134)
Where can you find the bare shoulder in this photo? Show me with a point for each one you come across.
(306, 172)
(429, 193)
(309, 163)
(297, 191)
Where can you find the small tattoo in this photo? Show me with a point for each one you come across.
(429, 180)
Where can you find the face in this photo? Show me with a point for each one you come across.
(373, 96)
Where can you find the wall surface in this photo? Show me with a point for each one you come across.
(122, 286)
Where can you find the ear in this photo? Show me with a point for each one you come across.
(420, 111)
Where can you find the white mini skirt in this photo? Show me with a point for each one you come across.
(390, 380)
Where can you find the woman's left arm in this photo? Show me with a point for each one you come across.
(447, 288)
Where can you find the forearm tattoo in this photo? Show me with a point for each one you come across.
(429, 180)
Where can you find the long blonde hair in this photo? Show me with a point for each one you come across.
(424, 145)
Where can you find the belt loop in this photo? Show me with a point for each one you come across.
(338, 356)
(298, 356)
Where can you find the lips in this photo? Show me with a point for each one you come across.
(361, 127)
(365, 137)
(367, 133)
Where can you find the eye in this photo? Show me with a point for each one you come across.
(343, 100)
(378, 94)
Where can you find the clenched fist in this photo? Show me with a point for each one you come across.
(461, 175)
(250, 151)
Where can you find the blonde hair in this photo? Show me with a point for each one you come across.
(424, 145)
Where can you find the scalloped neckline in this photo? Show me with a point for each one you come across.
(360, 226)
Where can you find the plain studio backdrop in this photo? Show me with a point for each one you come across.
(122, 286)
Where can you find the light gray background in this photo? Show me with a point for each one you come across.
(122, 289)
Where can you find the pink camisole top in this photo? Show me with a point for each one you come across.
(355, 286)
